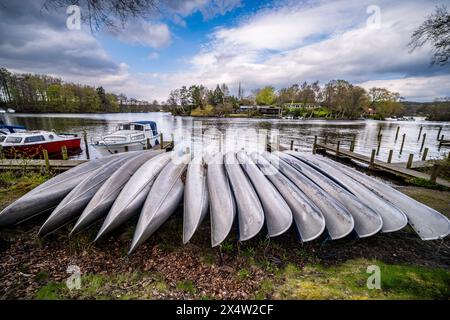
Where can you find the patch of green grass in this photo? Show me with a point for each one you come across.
(186, 286)
(265, 290)
(14, 184)
(349, 281)
(227, 246)
(243, 274)
(426, 184)
(51, 291)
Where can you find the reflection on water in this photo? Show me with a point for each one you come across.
(188, 131)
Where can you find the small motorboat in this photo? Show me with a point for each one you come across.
(31, 143)
(130, 136)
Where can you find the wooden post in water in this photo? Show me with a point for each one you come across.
(425, 153)
(423, 141)
(47, 161)
(410, 160)
(420, 133)
(435, 172)
(352, 144)
(396, 133)
(439, 132)
(292, 145)
(442, 137)
(314, 145)
(379, 133)
(403, 142)
(326, 139)
(379, 144)
(390, 156)
(126, 148)
(86, 145)
(161, 140)
(372, 158)
(64, 153)
(337, 147)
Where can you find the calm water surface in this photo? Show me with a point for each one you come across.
(302, 132)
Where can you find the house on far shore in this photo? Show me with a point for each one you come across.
(301, 105)
(266, 111)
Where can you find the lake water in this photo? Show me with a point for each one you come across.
(302, 132)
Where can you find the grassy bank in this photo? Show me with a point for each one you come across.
(279, 268)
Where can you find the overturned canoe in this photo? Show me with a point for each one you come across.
(49, 194)
(104, 198)
(278, 215)
(195, 198)
(249, 208)
(222, 204)
(133, 195)
(74, 203)
(162, 200)
(308, 218)
(339, 222)
(393, 218)
(427, 222)
(367, 221)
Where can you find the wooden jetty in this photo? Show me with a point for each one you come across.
(398, 169)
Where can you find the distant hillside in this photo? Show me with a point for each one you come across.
(436, 110)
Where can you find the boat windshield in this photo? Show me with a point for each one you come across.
(124, 127)
(13, 140)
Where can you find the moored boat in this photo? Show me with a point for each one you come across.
(31, 143)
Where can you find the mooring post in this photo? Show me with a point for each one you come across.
(86, 145)
(403, 142)
(161, 140)
(435, 172)
(379, 133)
(420, 133)
(352, 144)
(396, 133)
(47, 161)
(423, 141)
(314, 145)
(372, 158)
(126, 148)
(439, 132)
(292, 145)
(442, 137)
(390, 156)
(425, 153)
(337, 147)
(410, 160)
(379, 144)
(148, 144)
(64, 153)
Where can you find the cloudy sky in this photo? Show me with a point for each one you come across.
(218, 41)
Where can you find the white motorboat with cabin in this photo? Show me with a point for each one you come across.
(130, 136)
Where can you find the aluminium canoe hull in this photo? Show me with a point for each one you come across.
(249, 209)
(222, 204)
(278, 215)
(196, 198)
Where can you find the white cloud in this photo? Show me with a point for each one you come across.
(149, 34)
(153, 55)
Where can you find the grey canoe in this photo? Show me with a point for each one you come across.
(133, 195)
(339, 222)
(427, 222)
(104, 198)
(393, 218)
(161, 202)
(367, 221)
(196, 198)
(77, 199)
(222, 204)
(249, 208)
(49, 194)
(308, 218)
(277, 212)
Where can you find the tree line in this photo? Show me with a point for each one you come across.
(37, 93)
(338, 97)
